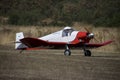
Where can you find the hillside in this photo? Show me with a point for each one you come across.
(60, 12)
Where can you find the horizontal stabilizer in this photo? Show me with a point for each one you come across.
(33, 42)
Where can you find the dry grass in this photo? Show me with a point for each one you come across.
(7, 34)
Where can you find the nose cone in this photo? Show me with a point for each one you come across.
(91, 35)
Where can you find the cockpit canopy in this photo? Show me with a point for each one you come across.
(67, 31)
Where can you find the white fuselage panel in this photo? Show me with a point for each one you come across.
(57, 37)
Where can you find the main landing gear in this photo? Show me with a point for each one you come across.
(67, 52)
(87, 52)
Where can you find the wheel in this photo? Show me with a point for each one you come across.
(67, 52)
(87, 53)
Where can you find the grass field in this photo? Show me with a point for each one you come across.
(53, 65)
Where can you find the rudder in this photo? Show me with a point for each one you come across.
(18, 44)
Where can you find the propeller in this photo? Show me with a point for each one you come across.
(90, 34)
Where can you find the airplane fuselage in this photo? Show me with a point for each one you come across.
(57, 37)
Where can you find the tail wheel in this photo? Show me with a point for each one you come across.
(87, 53)
(67, 52)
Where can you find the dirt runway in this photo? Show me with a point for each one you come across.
(53, 65)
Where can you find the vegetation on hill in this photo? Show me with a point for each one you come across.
(60, 12)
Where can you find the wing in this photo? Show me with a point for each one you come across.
(94, 45)
(34, 42)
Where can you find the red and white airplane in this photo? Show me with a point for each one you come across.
(66, 38)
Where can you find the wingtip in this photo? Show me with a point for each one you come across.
(108, 42)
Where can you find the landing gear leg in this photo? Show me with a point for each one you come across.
(67, 51)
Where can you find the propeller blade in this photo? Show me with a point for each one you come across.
(95, 39)
(87, 29)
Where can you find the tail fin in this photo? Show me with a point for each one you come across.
(18, 44)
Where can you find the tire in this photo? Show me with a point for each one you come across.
(87, 53)
(67, 52)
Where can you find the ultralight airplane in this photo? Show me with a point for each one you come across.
(66, 38)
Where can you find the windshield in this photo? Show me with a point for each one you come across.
(67, 32)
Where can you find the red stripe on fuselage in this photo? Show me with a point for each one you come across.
(80, 37)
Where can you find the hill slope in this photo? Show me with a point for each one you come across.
(61, 12)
